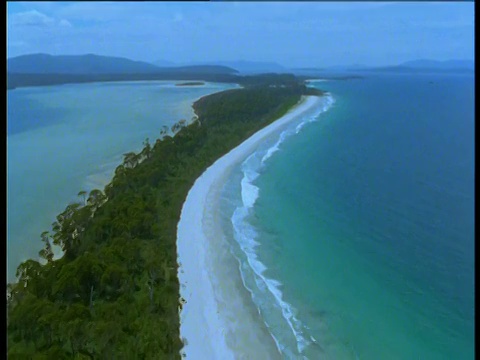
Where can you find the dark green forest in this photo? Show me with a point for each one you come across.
(115, 293)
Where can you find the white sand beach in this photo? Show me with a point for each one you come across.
(218, 319)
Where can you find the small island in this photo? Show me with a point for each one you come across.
(191, 83)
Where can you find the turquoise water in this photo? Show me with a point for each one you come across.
(356, 237)
(63, 139)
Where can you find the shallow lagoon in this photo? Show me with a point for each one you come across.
(63, 139)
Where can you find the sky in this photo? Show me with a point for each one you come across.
(293, 34)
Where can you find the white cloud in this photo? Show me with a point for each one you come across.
(98, 11)
(65, 23)
(31, 18)
(36, 19)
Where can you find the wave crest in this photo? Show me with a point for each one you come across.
(246, 235)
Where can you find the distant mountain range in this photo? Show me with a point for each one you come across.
(243, 67)
(428, 66)
(95, 64)
(253, 67)
(414, 66)
(164, 63)
(76, 64)
(443, 65)
(44, 69)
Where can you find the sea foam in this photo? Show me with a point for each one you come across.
(245, 235)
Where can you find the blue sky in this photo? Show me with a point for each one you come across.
(293, 34)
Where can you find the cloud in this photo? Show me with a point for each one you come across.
(65, 23)
(91, 11)
(31, 18)
(36, 19)
(317, 32)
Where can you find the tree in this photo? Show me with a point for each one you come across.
(114, 281)
(130, 160)
(106, 334)
(74, 326)
(96, 199)
(47, 252)
(164, 130)
(77, 278)
(68, 227)
(121, 261)
(24, 320)
(45, 314)
(82, 194)
(67, 288)
(147, 149)
(178, 126)
(27, 271)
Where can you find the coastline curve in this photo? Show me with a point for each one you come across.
(213, 304)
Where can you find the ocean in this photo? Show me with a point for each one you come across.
(63, 139)
(354, 229)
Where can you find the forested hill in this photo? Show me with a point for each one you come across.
(115, 292)
(76, 64)
(96, 64)
(44, 69)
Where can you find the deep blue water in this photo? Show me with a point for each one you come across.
(366, 219)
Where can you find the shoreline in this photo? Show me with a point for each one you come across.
(98, 174)
(218, 319)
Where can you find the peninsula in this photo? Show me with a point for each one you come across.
(191, 83)
(116, 290)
